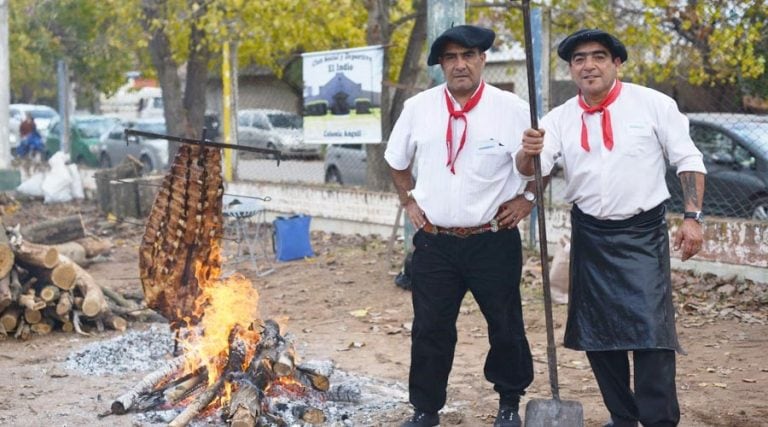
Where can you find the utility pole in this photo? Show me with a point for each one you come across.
(5, 87)
(63, 80)
(442, 15)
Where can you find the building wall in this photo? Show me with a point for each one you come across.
(261, 91)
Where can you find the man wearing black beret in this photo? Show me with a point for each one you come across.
(613, 138)
(466, 205)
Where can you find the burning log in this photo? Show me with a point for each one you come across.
(245, 407)
(122, 404)
(260, 396)
(182, 389)
(344, 393)
(203, 400)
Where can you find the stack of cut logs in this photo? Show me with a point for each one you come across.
(269, 389)
(42, 287)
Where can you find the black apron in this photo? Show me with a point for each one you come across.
(621, 287)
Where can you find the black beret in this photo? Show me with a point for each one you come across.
(566, 47)
(465, 35)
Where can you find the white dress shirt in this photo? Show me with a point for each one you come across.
(485, 175)
(620, 183)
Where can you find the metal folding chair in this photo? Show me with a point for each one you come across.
(245, 224)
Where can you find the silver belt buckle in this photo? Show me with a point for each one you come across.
(494, 225)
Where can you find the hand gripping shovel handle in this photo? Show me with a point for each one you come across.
(551, 351)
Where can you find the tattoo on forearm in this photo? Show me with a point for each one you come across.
(690, 194)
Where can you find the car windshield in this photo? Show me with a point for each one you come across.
(285, 120)
(153, 127)
(42, 114)
(94, 128)
(756, 132)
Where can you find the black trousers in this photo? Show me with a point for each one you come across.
(444, 269)
(654, 400)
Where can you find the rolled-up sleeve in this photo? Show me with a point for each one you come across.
(400, 147)
(676, 138)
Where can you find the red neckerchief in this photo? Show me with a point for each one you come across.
(461, 114)
(606, 122)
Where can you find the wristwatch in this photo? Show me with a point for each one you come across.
(694, 215)
(530, 196)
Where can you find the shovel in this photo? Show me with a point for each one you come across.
(543, 412)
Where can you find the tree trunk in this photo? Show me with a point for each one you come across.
(124, 198)
(57, 230)
(378, 32)
(126, 169)
(411, 69)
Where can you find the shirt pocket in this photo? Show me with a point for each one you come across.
(488, 158)
(640, 139)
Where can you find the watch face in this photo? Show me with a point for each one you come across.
(529, 196)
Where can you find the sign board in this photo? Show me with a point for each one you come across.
(342, 96)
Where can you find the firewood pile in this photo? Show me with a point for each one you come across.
(268, 384)
(43, 288)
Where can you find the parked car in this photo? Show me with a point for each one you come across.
(86, 133)
(345, 164)
(44, 117)
(735, 149)
(153, 153)
(276, 130)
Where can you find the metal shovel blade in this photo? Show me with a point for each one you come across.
(553, 413)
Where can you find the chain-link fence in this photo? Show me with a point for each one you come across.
(734, 143)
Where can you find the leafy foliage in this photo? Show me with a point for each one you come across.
(90, 36)
(705, 42)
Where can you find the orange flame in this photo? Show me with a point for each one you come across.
(222, 304)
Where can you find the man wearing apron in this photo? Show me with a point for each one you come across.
(613, 138)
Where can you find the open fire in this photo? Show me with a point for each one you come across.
(238, 366)
(231, 361)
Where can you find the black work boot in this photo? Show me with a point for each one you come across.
(507, 416)
(422, 419)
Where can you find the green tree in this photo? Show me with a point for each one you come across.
(712, 42)
(88, 35)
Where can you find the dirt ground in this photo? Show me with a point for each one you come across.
(343, 305)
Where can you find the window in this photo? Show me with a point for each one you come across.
(260, 122)
(713, 144)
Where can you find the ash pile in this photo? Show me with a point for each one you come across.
(349, 400)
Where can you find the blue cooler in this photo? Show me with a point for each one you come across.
(291, 238)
